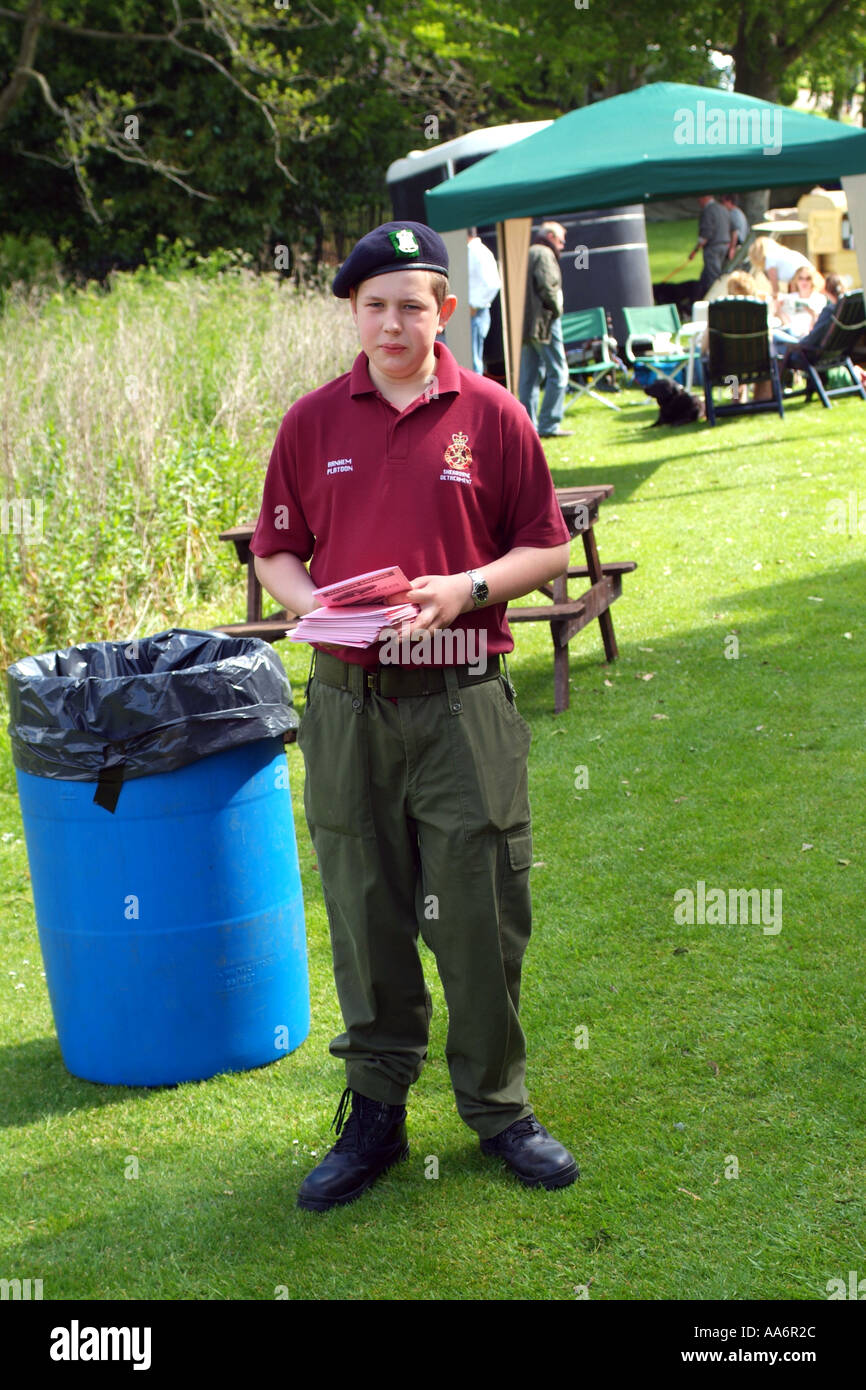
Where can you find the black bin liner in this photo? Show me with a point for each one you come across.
(107, 711)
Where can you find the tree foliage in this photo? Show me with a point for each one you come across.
(256, 123)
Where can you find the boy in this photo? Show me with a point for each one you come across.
(415, 791)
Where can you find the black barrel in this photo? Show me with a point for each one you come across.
(605, 262)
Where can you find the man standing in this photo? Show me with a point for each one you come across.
(543, 353)
(484, 286)
(739, 222)
(714, 238)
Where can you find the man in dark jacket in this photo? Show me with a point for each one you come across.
(543, 353)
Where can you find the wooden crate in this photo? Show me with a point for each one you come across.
(825, 233)
(842, 263)
(822, 210)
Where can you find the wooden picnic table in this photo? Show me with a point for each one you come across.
(567, 616)
(271, 628)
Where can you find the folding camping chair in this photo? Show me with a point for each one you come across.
(588, 352)
(846, 328)
(693, 332)
(650, 347)
(739, 352)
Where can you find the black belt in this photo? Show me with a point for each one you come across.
(395, 681)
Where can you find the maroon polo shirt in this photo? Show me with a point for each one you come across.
(446, 485)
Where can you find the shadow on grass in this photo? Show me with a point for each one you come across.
(34, 1082)
(627, 476)
(788, 622)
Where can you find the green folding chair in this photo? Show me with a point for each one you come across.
(845, 332)
(643, 326)
(588, 353)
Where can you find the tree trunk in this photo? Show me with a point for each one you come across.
(756, 74)
(27, 52)
(755, 204)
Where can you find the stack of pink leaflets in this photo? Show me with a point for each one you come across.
(355, 610)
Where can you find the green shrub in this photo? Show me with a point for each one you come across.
(172, 259)
(28, 261)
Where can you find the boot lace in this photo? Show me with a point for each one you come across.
(368, 1121)
(522, 1128)
(348, 1138)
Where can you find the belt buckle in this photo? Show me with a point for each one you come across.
(372, 678)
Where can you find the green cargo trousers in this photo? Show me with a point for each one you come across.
(419, 814)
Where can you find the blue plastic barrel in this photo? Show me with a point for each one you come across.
(172, 930)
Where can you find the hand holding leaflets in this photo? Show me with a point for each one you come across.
(354, 611)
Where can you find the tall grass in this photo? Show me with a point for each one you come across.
(136, 424)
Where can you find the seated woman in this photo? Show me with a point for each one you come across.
(799, 309)
(804, 348)
(740, 282)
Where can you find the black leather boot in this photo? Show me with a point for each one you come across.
(533, 1155)
(372, 1139)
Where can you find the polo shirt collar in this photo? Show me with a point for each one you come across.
(447, 372)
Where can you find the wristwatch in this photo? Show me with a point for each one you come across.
(480, 591)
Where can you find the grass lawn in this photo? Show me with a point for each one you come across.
(669, 243)
(709, 1077)
(717, 1108)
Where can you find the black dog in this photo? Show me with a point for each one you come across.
(676, 406)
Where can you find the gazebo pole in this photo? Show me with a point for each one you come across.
(512, 244)
(855, 191)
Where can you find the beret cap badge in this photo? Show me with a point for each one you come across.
(405, 242)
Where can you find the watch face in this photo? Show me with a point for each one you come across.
(480, 591)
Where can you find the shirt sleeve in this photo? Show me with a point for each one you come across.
(531, 513)
(282, 524)
(490, 274)
(813, 339)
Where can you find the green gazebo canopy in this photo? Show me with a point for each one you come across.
(659, 141)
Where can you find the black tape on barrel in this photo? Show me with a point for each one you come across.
(108, 787)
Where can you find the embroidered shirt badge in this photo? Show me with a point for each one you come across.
(458, 454)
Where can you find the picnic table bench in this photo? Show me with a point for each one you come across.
(566, 615)
(275, 626)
